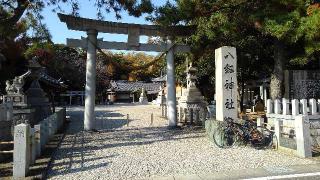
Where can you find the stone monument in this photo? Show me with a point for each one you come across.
(192, 106)
(21, 151)
(143, 97)
(36, 97)
(226, 92)
(226, 83)
(30, 105)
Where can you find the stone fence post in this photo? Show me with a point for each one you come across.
(313, 106)
(38, 139)
(295, 107)
(44, 133)
(277, 129)
(269, 106)
(304, 109)
(277, 106)
(32, 146)
(302, 128)
(285, 107)
(21, 152)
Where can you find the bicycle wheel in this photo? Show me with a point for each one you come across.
(261, 138)
(238, 136)
(223, 138)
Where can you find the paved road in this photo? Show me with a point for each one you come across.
(301, 172)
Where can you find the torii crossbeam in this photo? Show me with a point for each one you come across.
(134, 31)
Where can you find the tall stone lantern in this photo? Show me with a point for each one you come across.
(36, 97)
(192, 105)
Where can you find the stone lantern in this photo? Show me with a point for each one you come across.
(143, 97)
(192, 106)
(36, 97)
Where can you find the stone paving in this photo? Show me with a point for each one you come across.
(144, 151)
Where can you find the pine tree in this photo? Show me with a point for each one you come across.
(254, 27)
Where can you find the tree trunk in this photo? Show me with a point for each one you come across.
(242, 95)
(276, 84)
(22, 5)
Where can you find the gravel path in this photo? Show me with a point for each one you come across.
(140, 151)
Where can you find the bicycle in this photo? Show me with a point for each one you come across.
(231, 133)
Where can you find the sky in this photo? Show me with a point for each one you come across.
(60, 32)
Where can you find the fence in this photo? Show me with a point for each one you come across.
(192, 113)
(30, 142)
(296, 124)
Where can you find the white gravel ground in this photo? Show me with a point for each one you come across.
(141, 151)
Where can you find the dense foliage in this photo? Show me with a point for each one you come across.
(68, 64)
(268, 35)
(16, 45)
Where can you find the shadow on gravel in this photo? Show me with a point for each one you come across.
(83, 145)
(76, 156)
(102, 122)
(79, 147)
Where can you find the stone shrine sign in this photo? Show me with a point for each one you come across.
(226, 83)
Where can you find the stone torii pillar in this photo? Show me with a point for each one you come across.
(134, 31)
(90, 89)
(171, 86)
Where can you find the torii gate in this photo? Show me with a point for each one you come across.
(134, 31)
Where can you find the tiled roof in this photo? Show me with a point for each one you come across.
(126, 86)
(50, 80)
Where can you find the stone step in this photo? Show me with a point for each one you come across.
(6, 142)
(6, 152)
(6, 145)
(316, 149)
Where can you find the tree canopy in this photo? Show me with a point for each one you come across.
(267, 34)
(19, 16)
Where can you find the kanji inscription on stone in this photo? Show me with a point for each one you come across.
(226, 83)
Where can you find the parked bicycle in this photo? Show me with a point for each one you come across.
(231, 133)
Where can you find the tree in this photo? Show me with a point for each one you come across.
(288, 23)
(218, 24)
(12, 11)
(61, 62)
(253, 27)
(18, 16)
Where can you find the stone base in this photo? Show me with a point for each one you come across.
(215, 128)
(212, 125)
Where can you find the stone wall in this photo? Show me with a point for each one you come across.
(30, 142)
(284, 118)
(6, 113)
(302, 84)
